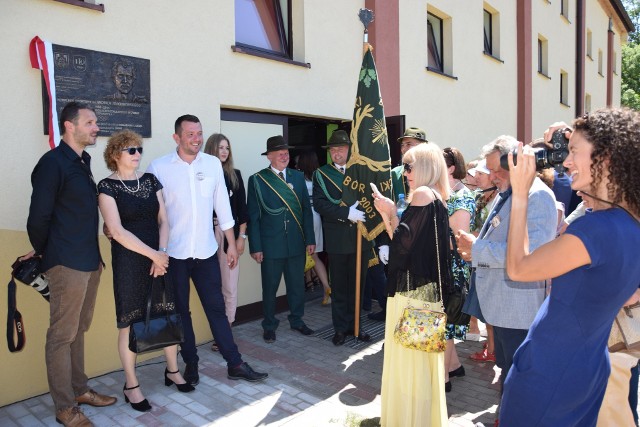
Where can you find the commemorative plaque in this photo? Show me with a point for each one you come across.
(116, 86)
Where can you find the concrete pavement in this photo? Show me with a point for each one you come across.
(311, 383)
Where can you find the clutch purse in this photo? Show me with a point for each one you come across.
(423, 328)
(625, 332)
(159, 331)
(309, 263)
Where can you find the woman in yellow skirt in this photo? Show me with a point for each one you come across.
(419, 272)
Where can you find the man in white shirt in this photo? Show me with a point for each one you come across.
(193, 187)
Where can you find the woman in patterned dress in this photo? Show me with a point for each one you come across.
(461, 207)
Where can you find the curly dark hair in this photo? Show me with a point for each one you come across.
(116, 143)
(615, 136)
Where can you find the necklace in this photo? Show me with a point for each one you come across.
(456, 187)
(125, 186)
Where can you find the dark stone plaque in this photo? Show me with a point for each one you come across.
(117, 86)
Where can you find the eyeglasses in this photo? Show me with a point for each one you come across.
(407, 167)
(132, 150)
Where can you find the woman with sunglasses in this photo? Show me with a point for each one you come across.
(419, 271)
(133, 210)
(218, 145)
(560, 371)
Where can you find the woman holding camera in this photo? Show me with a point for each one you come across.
(560, 371)
(133, 210)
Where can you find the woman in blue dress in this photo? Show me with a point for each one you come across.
(560, 371)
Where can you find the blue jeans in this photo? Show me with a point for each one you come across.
(205, 274)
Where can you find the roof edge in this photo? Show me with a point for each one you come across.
(623, 15)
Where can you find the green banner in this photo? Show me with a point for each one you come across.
(369, 160)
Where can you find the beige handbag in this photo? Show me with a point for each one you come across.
(625, 332)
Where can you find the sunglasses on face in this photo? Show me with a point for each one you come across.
(407, 167)
(132, 150)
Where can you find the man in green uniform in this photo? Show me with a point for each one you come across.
(280, 231)
(339, 223)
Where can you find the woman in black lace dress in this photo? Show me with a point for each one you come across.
(133, 210)
(419, 274)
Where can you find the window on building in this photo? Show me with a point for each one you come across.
(564, 8)
(600, 62)
(491, 24)
(587, 103)
(434, 41)
(589, 44)
(543, 55)
(488, 32)
(564, 87)
(264, 25)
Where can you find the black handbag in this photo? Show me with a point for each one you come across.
(456, 299)
(158, 331)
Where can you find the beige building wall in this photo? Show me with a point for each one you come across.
(193, 70)
(475, 103)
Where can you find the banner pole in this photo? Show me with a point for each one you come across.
(356, 326)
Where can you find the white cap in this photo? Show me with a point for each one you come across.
(480, 167)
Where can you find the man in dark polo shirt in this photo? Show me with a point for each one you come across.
(63, 229)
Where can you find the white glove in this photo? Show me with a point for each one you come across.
(354, 214)
(383, 253)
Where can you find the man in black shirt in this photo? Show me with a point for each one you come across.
(63, 229)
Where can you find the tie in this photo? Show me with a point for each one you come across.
(281, 175)
(342, 170)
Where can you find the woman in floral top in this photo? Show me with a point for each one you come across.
(462, 211)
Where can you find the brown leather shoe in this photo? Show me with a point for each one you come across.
(95, 399)
(72, 417)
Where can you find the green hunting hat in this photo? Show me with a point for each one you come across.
(338, 138)
(276, 143)
(415, 133)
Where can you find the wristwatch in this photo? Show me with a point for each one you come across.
(162, 249)
(244, 236)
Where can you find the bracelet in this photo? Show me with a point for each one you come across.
(244, 236)
(162, 249)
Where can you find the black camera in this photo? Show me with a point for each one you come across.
(547, 157)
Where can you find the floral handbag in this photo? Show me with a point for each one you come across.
(423, 328)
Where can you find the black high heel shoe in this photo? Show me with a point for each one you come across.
(142, 406)
(183, 388)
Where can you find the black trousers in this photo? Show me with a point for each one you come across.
(342, 272)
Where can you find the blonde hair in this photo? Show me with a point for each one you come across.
(213, 147)
(429, 168)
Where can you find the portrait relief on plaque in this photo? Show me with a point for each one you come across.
(116, 86)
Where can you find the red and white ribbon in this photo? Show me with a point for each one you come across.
(41, 55)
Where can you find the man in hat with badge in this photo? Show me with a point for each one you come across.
(339, 223)
(280, 231)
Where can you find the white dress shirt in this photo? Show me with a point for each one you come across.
(191, 193)
(283, 172)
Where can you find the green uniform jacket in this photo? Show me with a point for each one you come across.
(398, 182)
(340, 234)
(278, 236)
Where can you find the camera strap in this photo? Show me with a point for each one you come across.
(14, 321)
